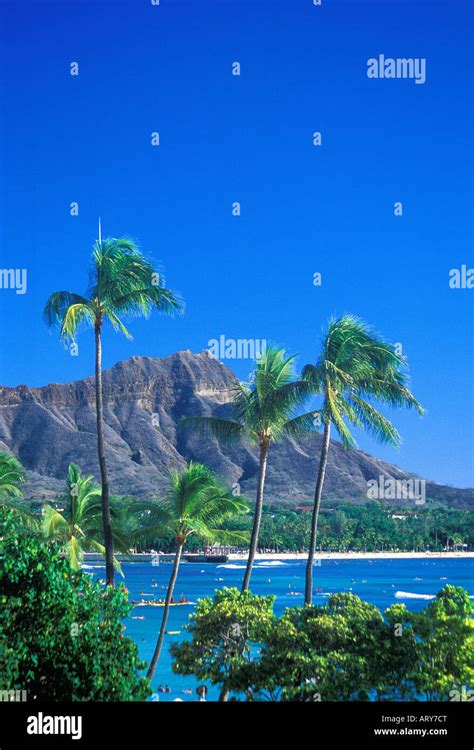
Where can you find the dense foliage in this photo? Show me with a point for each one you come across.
(224, 632)
(346, 526)
(369, 527)
(78, 525)
(345, 650)
(61, 634)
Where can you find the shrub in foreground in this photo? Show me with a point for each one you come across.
(345, 650)
(61, 633)
(225, 632)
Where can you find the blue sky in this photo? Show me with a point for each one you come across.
(223, 138)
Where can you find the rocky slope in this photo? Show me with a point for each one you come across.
(47, 428)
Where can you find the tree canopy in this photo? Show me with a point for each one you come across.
(61, 634)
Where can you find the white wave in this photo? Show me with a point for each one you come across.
(410, 595)
(90, 567)
(270, 564)
(231, 566)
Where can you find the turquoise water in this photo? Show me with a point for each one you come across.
(380, 582)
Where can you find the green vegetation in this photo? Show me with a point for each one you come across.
(261, 413)
(354, 368)
(224, 633)
(443, 637)
(198, 504)
(345, 650)
(61, 633)
(369, 527)
(12, 476)
(123, 283)
(79, 526)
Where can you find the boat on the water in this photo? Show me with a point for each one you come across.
(207, 558)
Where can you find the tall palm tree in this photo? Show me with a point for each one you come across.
(122, 282)
(355, 365)
(262, 412)
(197, 504)
(79, 526)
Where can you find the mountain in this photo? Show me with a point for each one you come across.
(144, 399)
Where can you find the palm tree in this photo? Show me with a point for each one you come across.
(79, 526)
(122, 282)
(197, 504)
(262, 413)
(355, 365)
(457, 540)
(12, 475)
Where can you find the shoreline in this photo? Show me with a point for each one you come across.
(285, 556)
(282, 556)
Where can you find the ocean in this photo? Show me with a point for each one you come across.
(379, 581)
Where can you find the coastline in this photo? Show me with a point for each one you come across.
(285, 556)
(282, 556)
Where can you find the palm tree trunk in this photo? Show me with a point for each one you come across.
(258, 514)
(314, 519)
(169, 594)
(224, 694)
(106, 520)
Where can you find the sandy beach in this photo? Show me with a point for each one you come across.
(351, 555)
(285, 556)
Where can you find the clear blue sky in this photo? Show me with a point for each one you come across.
(223, 138)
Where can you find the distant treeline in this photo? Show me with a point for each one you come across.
(367, 527)
(370, 527)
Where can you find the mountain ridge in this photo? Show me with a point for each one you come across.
(49, 426)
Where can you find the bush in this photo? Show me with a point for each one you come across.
(324, 653)
(444, 636)
(343, 651)
(225, 632)
(61, 633)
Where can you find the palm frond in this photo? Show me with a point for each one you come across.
(68, 311)
(115, 321)
(338, 421)
(54, 525)
(374, 422)
(127, 283)
(300, 426)
(28, 519)
(12, 474)
(74, 553)
(197, 502)
(282, 402)
(355, 365)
